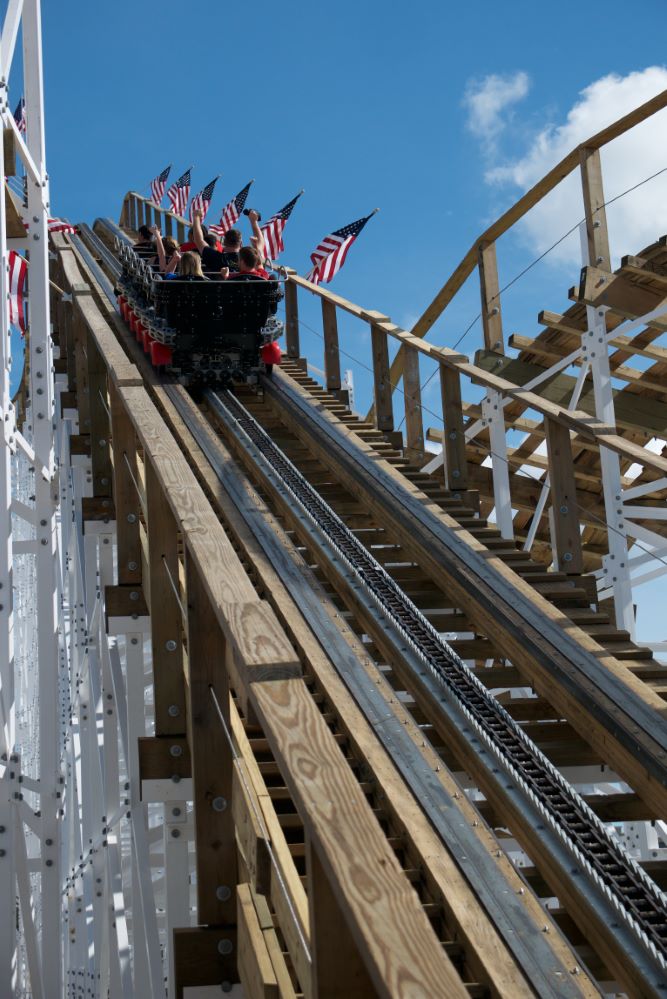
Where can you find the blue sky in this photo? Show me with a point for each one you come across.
(364, 105)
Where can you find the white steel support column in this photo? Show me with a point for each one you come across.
(46, 496)
(7, 707)
(595, 351)
(493, 418)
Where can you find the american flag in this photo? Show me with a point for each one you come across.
(201, 201)
(19, 115)
(18, 269)
(60, 225)
(158, 185)
(179, 193)
(329, 255)
(273, 230)
(231, 213)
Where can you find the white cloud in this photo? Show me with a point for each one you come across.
(488, 101)
(636, 219)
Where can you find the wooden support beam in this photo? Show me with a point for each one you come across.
(331, 353)
(291, 320)
(126, 500)
(492, 320)
(454, 443)
(566, 525)
(382, 391)
(100, 424)
(338, 967)
(205, 955)
(598, 287)
(79, 342)
(594, 205)
(414, 426)
(254, 961)
(9, 151)
(211, 756)
(166, 615)
(400, 951)
(164, 758)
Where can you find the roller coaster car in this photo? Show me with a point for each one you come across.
(200, 331)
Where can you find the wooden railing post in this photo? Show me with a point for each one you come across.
(414, 427)
(384, 410)
(79, 342)
(167, 224)
(100, 427)
(126, 500)
(331, 352)
(453, 441)
(566, 542)
(180, 231)
(166, 616)
(291, 320)
(596, 215)
(492, 320)
(211, 756)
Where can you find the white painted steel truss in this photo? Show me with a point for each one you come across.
(92, 877)
(617, 578)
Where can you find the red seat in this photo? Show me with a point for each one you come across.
(271, 353)
(133, 321)
(160, 353)
(146, 340)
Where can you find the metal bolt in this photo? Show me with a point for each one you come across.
(131, 518)
(175, 833)
(134, 595)
(173, 711)
(132, 566)
(170, 645)
(219, 804)
(225, 947)
(176, 810)
(563, 509)
(223, 893)
(567, 557)
(175, 751)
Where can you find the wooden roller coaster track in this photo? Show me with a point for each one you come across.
(353, 834)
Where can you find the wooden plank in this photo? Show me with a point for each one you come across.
(382, 390)
(492, 320)
(9, 152)
(454, 443)
(633, 412)
(291, 320)
(126, 500)
(13, 220)
(331, 354)
(338, 967)
(100, 424)
(391, 931)
(599, 288)
(166, 616)
(567, 540)
(250, 830)
(200, 957)
(414, 427)
(211, 756)
(164, 758)
(594, 204)
(254, 963)
(80, 292)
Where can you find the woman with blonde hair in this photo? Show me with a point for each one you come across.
(189, 268)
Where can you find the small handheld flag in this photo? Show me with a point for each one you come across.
(330, 253)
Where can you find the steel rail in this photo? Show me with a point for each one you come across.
(620, 885)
